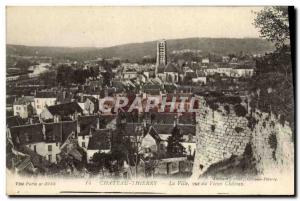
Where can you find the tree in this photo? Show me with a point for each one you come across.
(48, 78)
(175, 147)
(275, 69)
(101, 160)
(273, 24)
(64, 75)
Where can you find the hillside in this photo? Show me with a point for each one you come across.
(135, 51)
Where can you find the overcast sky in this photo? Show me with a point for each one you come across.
(108, 26)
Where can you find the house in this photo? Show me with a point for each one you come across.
(152, 89)
(43, 99)
(152, 142)
(85, 125)
(99, 141)
(242, 71)
(62, 111)
(205, 61)
(9, 105)
(225, 70)
(46, 140)
(128, 75)
(225, 59)
(91, 105)
(171, 73)
(211, 70)
(23, 107)
(189, 75)
(201, 77)
(160, 71)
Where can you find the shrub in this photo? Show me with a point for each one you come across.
(227, 108)
(240, 111)
(238, 129)
(282, 120)
(273, 144)
(251, 122)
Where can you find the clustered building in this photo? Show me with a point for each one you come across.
(55, 125)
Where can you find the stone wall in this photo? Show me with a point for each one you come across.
(272, 144)
(221, 134)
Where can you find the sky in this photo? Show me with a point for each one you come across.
(109, 26)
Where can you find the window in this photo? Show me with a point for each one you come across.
(34, 148)
(49, 147)
(38, 107)
(50, 158)
(83, 144)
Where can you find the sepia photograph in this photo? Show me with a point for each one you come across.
(150, 100)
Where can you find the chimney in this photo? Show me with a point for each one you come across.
(44, 131)
(98, 123)
(78, 127)
(105, 92)
(81, 97)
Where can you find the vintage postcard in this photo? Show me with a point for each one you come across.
(153, 101)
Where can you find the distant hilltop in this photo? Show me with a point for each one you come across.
(136, 51)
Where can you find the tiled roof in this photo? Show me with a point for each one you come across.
(106, 119)
(24, 100)
(87, 122)
(187, 118)
(172, 68)
(59, 132)
(54, 132)
(162, 118)
(14, 121)
(27, 134)
(45, 95)
(168, 128)
(65, 109)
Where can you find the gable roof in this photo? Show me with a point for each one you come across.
(59, 132)
(14, 121)
(65, 109)
(87, 122)
(27, 134)
(93, 99)
(154, 134)
(172, 68)
(24, 100)
(54, 132)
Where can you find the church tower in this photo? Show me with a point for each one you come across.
(161, 53)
